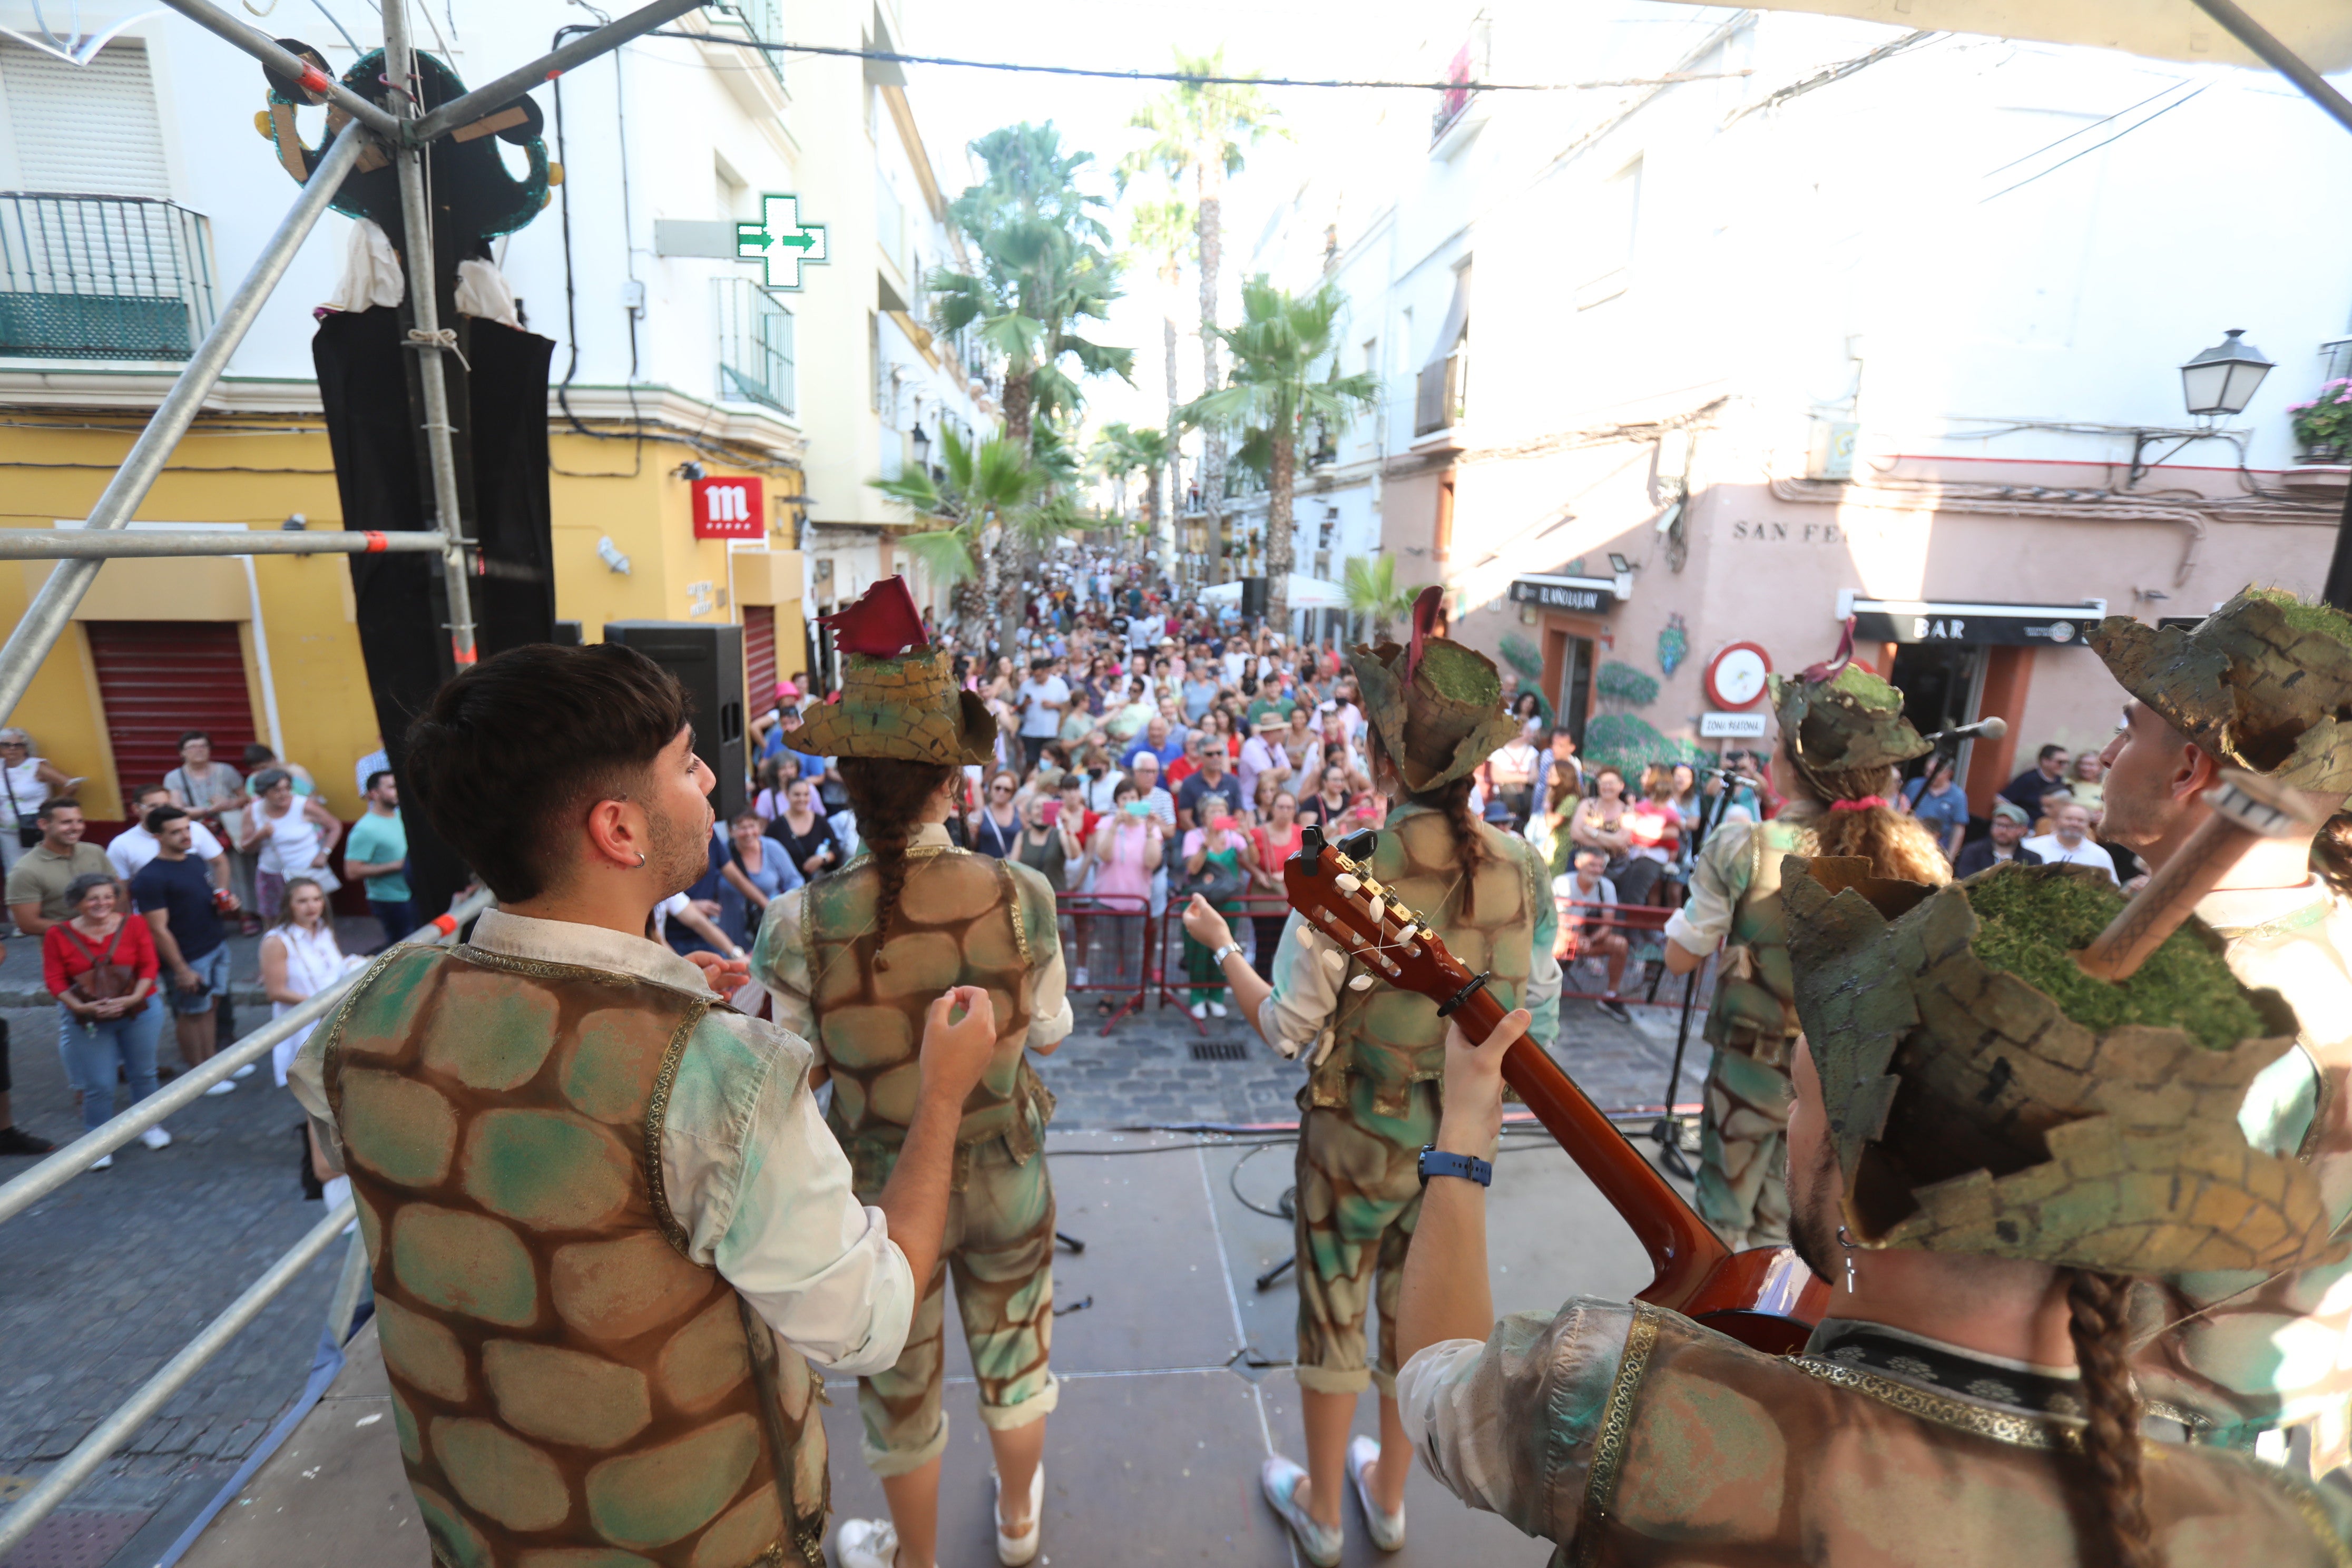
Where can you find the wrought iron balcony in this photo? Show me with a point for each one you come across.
(755, 344)
(102, 278)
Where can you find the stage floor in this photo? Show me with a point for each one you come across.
(1175, 1382)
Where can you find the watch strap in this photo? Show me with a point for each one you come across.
(1218, 957)
(1435, 1161)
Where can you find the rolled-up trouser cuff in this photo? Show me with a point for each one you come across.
(1036, 1407)
(886, 1462)
(1349, 1380)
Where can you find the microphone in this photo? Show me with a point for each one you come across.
(1991, 728)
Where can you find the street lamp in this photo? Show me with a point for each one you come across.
(922, 446)
(2222, 379)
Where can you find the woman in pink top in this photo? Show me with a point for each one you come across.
(1127, 850)
(1271, 842)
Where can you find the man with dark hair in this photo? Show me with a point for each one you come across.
(206, 787)
(378, 853)
(177, 898)
(1041, 699)
(2047, 774)
(38, 883)
(609, 1230)
(2010, 827)
(129, 851)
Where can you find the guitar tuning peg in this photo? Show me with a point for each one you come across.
(1361, 983)
(1333, 958)
(1323, 1044)
(1346, 883)
(1378, 905)
(1405, 932)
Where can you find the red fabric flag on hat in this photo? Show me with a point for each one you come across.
(1425, 609)
(882, 624)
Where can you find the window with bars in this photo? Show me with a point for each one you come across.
(755, 345)
(761, 19)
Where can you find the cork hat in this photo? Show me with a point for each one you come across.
(1836, 717)
(1973, 1112)
(895, 701)
(1436, 705)
(2264, 683)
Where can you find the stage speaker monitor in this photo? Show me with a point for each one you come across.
(567, 634)
(1252, 598)
(707, 660)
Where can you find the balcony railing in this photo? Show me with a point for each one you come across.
(102, 278)
(762, 20)
(755, 344)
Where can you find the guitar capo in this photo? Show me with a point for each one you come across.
(1310, 849)
(1453, 1004)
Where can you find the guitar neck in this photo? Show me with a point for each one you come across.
(1683, 1251)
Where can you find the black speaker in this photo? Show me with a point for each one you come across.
(1252, 598)
(708, 662)
(567, 634)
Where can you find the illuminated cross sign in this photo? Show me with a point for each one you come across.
(781, 240)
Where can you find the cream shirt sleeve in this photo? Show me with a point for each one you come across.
(1304, 997)
(1718, 876)
(779, 962)
(762, 1190)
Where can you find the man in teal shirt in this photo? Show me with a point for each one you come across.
(378, 852)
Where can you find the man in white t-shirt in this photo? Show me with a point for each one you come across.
(2070, 843)
(134, 845)
(1587, 901)
(1041, 699)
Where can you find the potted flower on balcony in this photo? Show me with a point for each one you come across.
(2323, 427)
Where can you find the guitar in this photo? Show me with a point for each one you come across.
(1764, 1297)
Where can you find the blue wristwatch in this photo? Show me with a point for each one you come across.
(1434, 1162)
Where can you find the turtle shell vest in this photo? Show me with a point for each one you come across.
(1755, 1010)
(566, 1384)
(1394, 1038)
(962, 919)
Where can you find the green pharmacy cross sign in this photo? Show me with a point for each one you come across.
(780, 240)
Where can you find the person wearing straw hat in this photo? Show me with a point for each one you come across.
(1375, 1056)
(1977, 1175)
(1841, 733)
(850, 961)
(2250, 1360)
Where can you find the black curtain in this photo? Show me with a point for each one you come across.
(367, 381)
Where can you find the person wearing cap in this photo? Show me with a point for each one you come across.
(2255, 1360)
(1842, 735)
(2007, 843)
(1262, 752)
(1967, 1397)
(850, 961)
(1375, 1056)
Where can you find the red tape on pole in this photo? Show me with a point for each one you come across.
(376, 541)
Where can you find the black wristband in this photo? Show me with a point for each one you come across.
(1435, 1161)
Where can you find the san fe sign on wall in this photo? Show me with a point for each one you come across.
(1978, 624)
(731, 509)
(1571, 593)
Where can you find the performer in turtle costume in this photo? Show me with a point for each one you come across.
(1977, 1166)
(1842, 735)
(1375, 1056)
(2263, 684)
(851, 960)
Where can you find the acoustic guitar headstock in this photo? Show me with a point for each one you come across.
(1347, 913)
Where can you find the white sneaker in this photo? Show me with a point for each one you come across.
(1216, 1009)
(1279, 1478)
(245, 1072)
(1387, 1528)
(225, 1086)
(103, 1163)
(867, 1544)
(1014, 1550)
(1200, 1010)
(156, 1138)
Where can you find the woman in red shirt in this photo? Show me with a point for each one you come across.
(1271, 842)
(101, 966)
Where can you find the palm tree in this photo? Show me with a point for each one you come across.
(1162, 231)
(1275, 390)
(1374, 593)
(988, 498)
(1044, 267)
(1121, 450)
(1201, 131)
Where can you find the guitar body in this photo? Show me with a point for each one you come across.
(1764, 1297)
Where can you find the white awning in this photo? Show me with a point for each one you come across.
(1305, 594)
(2318, 30)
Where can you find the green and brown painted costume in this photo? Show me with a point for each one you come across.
(567, 1387)
(962, 919)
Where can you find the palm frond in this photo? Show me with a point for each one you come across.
(945, 553)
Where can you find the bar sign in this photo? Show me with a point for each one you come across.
(729, 509)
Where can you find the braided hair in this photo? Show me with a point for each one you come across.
(888, 795)
(1452, 800)
(2111, 1440)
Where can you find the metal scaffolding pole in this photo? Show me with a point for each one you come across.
(495, 95)
(81, 544)
(263, 47)
(52, 609)
(427, 338)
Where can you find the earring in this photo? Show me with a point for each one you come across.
(641, 859)
(1847, 1242)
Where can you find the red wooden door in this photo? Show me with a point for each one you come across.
(759, 658)
(158, 680)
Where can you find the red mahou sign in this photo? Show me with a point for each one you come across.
(731, 509)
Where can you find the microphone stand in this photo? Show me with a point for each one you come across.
(1667, 1131)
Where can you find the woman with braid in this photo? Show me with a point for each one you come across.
(1979, 1176)
(1375, 1054)
(1841, 734)
(851, 960)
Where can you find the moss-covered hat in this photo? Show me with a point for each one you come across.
(1836, 716)
(1974, 1111)
(895, 701)
(1436, 706)
(2264, 683)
